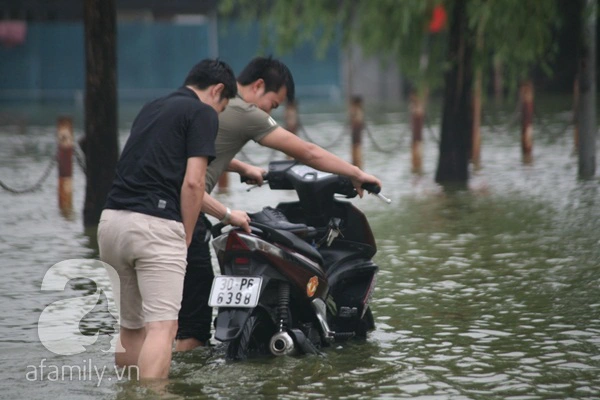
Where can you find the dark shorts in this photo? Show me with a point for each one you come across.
(195, 316)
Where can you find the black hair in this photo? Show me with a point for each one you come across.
(210, 72)
(273, 72)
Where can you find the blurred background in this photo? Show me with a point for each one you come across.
(43, 56)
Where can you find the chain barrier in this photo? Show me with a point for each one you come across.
(494, 126)
(36, 186)
(370, 134)
(429, 129)
(499, 128)
(79, 157)
(380, 148)
(544, 125)
(302, 130)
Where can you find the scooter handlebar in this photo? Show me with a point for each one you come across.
(346, 184)
(376, 190)
(371, 187)
(245, 179)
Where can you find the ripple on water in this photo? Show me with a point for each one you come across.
(484, 378)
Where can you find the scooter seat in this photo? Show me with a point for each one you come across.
(288, 239)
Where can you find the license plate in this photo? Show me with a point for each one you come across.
(235, 291)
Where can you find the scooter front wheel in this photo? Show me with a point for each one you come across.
(254, 337)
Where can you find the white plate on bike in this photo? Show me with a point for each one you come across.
(235, 291)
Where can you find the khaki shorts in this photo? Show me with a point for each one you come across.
(149, 255)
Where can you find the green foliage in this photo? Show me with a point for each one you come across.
(397, 31)
(286, 24)
(517, 32)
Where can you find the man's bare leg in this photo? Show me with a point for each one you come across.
(131, 341)
(155, 355)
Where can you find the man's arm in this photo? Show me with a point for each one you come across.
(192, 192)
(316, 157)
(254, 174)
(212, 206)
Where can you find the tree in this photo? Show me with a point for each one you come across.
(100, 144)
(587, 90)
(455, 143)
(519, 33)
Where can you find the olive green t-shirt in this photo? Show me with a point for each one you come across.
(238, 124)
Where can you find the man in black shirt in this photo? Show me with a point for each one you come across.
(152, 208)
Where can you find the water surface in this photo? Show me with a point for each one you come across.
(490, 293)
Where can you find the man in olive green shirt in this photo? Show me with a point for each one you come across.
(263, 86)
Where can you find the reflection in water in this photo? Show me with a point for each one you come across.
(492, 292)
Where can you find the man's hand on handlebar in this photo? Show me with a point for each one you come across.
(364, 178)
(253, 175)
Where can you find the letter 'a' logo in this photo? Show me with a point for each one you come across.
(59, 323)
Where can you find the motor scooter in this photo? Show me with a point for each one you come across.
(304, 276)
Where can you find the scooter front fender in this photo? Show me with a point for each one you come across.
(229, 323)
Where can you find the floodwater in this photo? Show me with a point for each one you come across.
(490, 293)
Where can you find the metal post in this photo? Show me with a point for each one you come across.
(417, 116)
(357, 125)
(64, 136)
(527, 121)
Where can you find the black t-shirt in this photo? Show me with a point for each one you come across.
(150, 171)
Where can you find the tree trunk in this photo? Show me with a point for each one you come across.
(587, 94)
(455, 144)
(576, 115)
(100, 145)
